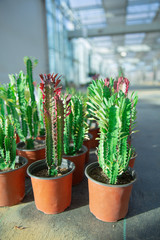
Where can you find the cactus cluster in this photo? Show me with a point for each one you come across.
(21, 104)
(75, 126)
(116, 115)
(56, 109)
(7, 143)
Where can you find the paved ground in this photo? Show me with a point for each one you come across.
(77, 223)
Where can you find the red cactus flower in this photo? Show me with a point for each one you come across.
(106, 82)
(123, 84)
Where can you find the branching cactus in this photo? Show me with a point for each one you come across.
(56, 109)
(75, 127)
(7, 144)
(116, 115)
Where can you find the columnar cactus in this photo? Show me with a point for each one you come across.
(56, 109)
(7, 144)
(115, 114)
(75, 128)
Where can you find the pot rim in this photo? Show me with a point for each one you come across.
(95, 164)
(83, 148)
(43, 163)
(20, 159)
(29, 150)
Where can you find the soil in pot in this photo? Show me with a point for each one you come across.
(98, 175)
(12, 183)
(52, 194)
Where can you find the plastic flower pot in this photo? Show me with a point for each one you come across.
(32, 155)
(132, 160)
(94, 132)
(87, 143)
(12, 184)
(108, 203)
(79, 161)
(52, 194)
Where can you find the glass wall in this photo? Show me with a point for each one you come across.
(60, 49)
(74, 59)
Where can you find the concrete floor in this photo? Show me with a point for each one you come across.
(77, 223)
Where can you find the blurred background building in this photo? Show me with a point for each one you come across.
(81, 38)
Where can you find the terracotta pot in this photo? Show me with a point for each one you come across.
(132, 160)
(87, 144)
(32, 155)
(79, 161)
(108, 203)
(42, 138)
(17, 138)
(94, 132)
(53, 194)
(12, 184)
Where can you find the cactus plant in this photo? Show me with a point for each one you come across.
(21, 104)
(56, 109)
(7, 144)
(75, 126)
(116, 115)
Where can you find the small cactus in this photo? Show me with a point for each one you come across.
(75, 126)
(56, 108)
(116, 115)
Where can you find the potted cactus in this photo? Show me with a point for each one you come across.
(23, 108)
(74, 134)
(110, 180)
(12, 168)
(52, 178)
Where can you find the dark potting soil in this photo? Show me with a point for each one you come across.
(44, 172)
(98, 175)
(37, 145)
(17, 165)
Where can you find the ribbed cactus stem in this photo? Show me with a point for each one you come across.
(55, 110)
(7, 145)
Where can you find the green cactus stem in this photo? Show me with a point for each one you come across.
(7, 144)
(56, 108)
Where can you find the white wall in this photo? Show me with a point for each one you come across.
(22, 33)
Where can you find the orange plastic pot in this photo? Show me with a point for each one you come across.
(87, 143)
(79, 161)
(93, 141)
(132, 161)
(53, 194)
(108, 203)
(12, 185)
(32, 155)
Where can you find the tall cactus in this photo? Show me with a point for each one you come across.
(116, 116)
(29, 79)
(75, 128)
(7, 144)
(56, 109)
